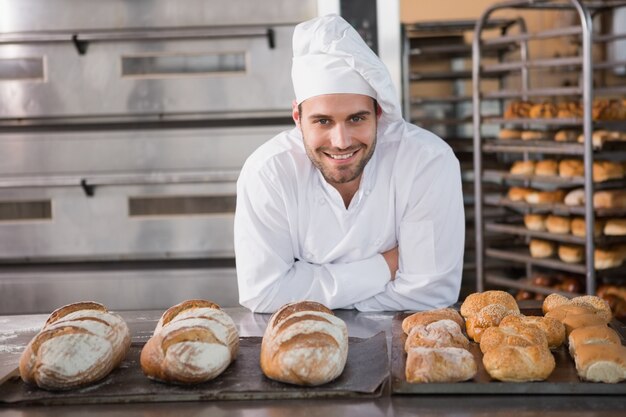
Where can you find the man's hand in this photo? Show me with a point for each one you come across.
(391, 257)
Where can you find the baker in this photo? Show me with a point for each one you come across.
(354, 207)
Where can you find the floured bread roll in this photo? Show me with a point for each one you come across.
(193, 342)
(430, 316)
(448, 364)
(601, 362)
(442, 333)
(304, 344)
(79, 344)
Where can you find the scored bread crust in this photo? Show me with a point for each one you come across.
(79, 344)
(441, 333)
(193, 341)
(445, 364)
(430, 316)
(304, 344)
(599, 334)
(551, 327)
(519, 364)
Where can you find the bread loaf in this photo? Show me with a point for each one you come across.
(609, 199)
(566, 135)
(575, 197)
(536, 222)
(513, 334)
(442, 333)
(592, 335)
(579, 227)
(304, 344)
(547, 167)
(558, 224)
(615, 227)
(507, 134)
(488, 316)
(518, 193)
(193, 342)
(523, 168)
(607, 170)
(552, 328)
(448, 364)
(545, 197)
(79, 344)
(430, 316)
(601, 362)
(569, 168)
(519, 364)
(607, 258)
(571, 253)
(541, 248)
(477, 301)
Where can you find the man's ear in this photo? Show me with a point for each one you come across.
(379, 111)
(295, 114)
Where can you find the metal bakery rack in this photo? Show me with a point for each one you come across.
(588, 37)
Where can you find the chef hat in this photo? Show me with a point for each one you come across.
(330, 57)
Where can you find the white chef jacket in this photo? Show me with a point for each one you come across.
(295, 239)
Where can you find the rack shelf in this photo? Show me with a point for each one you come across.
(565, 238)
(557, 208)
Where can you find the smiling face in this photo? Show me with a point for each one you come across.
(339, 132)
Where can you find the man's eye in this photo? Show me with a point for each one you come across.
(356, 119)
(323, 121)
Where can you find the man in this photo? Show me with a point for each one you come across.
(354, 207)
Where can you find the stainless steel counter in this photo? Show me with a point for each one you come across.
(16, 331)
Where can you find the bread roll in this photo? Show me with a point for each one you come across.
(507, 134)
(193, 342)
(558, 224)
(518, 109)
(553, 301)
(545, 197)
(615, 227)
(519, 364)
(534, 135)
(447, 364)
(552, 328)
(544, 110)
(513, 334)
(541, 248)
(579, 227)
(598, 138)
(609, 199)
(592, 335)
(304, 344)
(488, 316)
(477, 301)
(518, 193)
(79, 344)
(569, 168)
(430, 316)
(523, 168)
(442, 333)
(575, 197)
(571, 254)
(607, 258)
(547, 167)
(566, 136)
(576, 316)
(536, 222)
(601, 307)
(601, 363)
(607, 170)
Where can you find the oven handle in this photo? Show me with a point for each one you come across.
(81, 40)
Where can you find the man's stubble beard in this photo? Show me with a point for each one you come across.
(342, 179)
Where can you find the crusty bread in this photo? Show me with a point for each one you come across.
(79, 344)
(507, 134)
(545, 110)
(552, 328)
(541, 248)
(601, 306)
(519, 364)
(558, 224)
(536, 222)
(518, 193)
(448, 364)
(194, 341)
(575, 197)
(566, 135)
(304, 344)
(579, 227)
(545, 197)
(477, 301)
(571, 254)
(488, 316)
(609, 199)
(599, 334)
(430, 316)
(615, 227)
(601, 362)
(576, 316)
(547, 167)
(523, 168)
(442, 333)
(607, 258)
(553, 301)
(607, 170)
(569, 168)
(534, 135)
(512, 334)
(517, 109)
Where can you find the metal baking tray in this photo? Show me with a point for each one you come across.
(563, 380)
(365, 376)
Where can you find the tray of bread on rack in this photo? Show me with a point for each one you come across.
(495, 345)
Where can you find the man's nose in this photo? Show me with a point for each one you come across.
(340, 137)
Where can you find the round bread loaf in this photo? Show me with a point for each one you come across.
(519, 364)
(575, 197)
(488, 316)
(571, 253)
(615, 227)
(535, 222)
(607, 258)
(477, 301)
(448, 364)
(578, 226)
(541, 248)
(569, 168)
(547, 167)
(558, 224)
(518, 193)
(523, 168)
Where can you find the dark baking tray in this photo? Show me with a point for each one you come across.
(364, 376)
(563, 380)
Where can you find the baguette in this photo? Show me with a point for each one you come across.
(193, 342)
(79, 344)
(304, 344)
